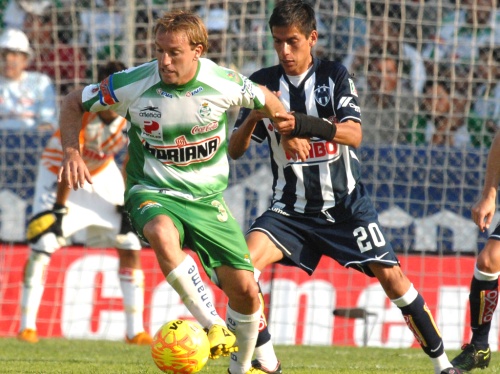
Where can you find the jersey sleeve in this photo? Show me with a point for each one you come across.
(260, 133)
(117, 91)
(346, 97)
(103, 96)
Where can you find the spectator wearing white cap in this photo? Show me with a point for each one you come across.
(27, 99)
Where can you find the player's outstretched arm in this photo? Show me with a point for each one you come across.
(241, 137)
(484, 210)
(284, 122)
(73, 170)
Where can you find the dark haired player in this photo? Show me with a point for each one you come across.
(319, 205)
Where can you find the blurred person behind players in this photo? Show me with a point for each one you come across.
(27, 98)
(319, 205)
(54, 53)
(58, 213)
(178, 169)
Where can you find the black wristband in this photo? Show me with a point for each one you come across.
(309, 126)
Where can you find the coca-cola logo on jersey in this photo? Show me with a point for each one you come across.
(204, 129)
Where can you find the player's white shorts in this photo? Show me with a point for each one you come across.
(92, 213)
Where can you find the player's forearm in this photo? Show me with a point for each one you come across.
(492, 177)
(273, 106)
(241, 137)
(70, 121)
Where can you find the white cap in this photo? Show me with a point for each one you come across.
(15, 40)
(35, 7)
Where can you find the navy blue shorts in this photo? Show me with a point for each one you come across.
(348, 233)
(495, 235)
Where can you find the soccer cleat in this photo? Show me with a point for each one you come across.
(222, 341)
(28, 335)
(142, 338)
(453, 371)
(472, 358)
(257, 365)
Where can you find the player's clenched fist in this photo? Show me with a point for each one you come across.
(284, 123)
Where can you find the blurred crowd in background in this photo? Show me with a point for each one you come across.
(427, 72)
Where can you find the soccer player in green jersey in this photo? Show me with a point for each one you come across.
(176, 107)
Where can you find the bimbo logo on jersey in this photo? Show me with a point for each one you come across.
(184, 153)
(322, 150)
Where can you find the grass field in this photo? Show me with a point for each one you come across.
(84, 356)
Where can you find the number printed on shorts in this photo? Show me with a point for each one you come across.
(222, 216)
(366, 238)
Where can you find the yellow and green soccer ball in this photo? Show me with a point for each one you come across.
(180, 347)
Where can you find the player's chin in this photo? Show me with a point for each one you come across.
(168, 77)
(288, 66)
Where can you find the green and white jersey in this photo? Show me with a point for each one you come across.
(177, 134)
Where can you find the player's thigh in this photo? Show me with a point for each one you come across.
(288, 234)
(488, 260)
(237, 283)
(214, 234)
(109, 184)
(262, 250)
(355, 243)
(45, 190)
(159, 212)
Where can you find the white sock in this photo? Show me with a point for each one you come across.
(186, 280)
(265, 353)
(266, 356)
(246, 329)
(132, 286)
(35, 273)
(440, 363)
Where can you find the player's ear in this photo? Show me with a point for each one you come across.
(313, 38)
(198, 52)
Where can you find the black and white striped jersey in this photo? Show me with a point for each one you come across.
(331, 170)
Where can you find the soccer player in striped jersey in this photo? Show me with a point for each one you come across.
(319, 205)
(177, 170)
(483, 296)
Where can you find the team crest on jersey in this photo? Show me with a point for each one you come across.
(205, 109)
(151, 130)
(322, 95)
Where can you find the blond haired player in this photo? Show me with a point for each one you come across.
(59, 213)
(178, 169)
